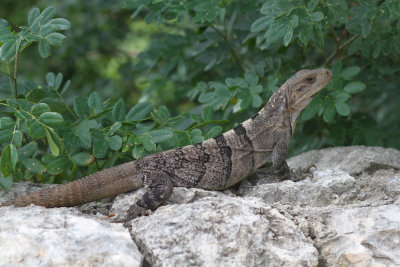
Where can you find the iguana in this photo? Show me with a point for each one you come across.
(215, 164)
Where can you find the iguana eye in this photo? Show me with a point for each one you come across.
(310, 79)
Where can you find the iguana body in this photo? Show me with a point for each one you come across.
(215, 164)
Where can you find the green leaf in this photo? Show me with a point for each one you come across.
(256, 101)
(6, 123)
(34, 166)
(257, 89)
(66, 86)
(55, 150)
(82, 132)
(222, 96)
(14, 156)
(206, 97)
(342, 97)
(207, 113)
(100, 148)
(312, 4)
(115, 127)
(55, 38)
(183, 139)
(261, 24)
(148, 143)
(238, 82)
(270, 9)
(214, 131)
(45, 30)
(319, 35)
(5, 182)
(95, 102)
(114, 142)
(44, 48)
(139, 112)
(138, 152)
(144, 127)
(33, 14)
(196, 135)
(4, 23)
(252, 80)
(161, 115)
(55, 104)
(365, 29)
(137, 11)
(5, 162)
(17, 139)
(317, 16)
(161, 135)
(8, 50)
(342, 108)
(119, 110)
(27, 150)
(310, 111)
(47, 14)
(306, 33)
(329, 113)
(59, 165)
(51, 118)
(35, 95)
(82, 159)
(39, 109)
(354, 87)
(81, 107)
(276, 30)
(377, 51)
(58, 81)
(5, 135)
(350, 72)
(60, 24)
(288, 36)
(36, 130)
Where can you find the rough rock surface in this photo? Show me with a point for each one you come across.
(36, 236)
(222, 231)
(347, 214)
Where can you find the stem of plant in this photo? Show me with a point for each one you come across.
(65, 104)
(15, 72)
(233, 53)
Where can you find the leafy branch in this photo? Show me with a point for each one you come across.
(231, 50)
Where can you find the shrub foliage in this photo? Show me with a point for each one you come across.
(227, 57)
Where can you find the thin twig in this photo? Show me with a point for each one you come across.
(338, 47)
(231, 50)
(349, 41)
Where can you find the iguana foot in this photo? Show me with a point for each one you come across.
(133, 212)
(302, 173)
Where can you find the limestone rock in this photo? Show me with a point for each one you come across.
(36, 236)
(365, 236)
(222, 231)
(347, 214)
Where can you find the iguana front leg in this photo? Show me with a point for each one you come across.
(159, 186)
(279, 163)
(278, 158)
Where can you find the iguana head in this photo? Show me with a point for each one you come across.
(301, 89)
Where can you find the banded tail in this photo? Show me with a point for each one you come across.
(107, 183)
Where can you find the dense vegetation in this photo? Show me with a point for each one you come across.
(91, 84)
